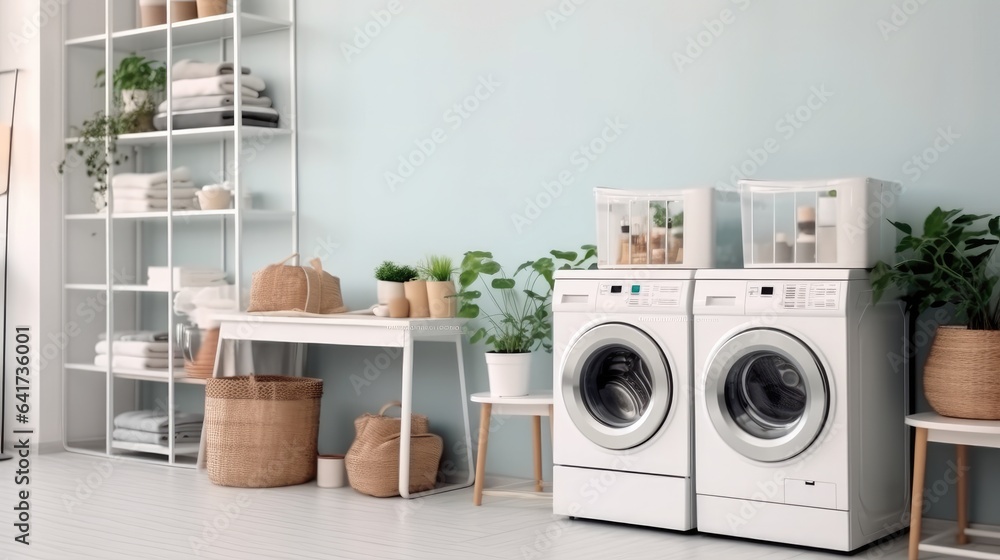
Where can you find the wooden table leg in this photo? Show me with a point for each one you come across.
(962, 453)
(917, 496)
(484, 434)
(536, 432)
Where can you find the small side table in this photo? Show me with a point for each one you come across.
(934, 427)
(536, 405)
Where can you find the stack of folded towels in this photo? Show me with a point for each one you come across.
(153, 427)
(137, 350)
(204, 94)
(144, 192)
(185, 277)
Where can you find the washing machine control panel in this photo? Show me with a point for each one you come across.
(638, 294)
(793, 295)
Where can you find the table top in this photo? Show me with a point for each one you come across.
(352, 318)
(934, 421)
(534, 398)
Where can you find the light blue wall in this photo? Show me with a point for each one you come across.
(890, 95)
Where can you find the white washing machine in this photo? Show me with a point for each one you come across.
(800, 395)
(622, 414)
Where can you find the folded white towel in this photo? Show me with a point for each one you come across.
(148, 180)
(126, 205)
(185, 193)
(156, 421)
(217, 85)
(213, 101)
(185, 277)
(138, 436)
(137, 349)
(136, 362)
(187, 69)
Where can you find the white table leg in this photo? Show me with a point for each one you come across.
(406, 398)
(468, 428)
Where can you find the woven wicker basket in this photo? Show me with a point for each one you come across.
(261, 430)
(281, 287)
(373, 459)
(962, 373)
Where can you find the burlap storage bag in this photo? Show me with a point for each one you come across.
(373, 459)
(261, 430)
(281, 287)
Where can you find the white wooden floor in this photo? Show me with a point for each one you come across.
(85, 507)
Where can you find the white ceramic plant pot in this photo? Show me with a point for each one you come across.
(132, 99)
(388, 291)
(510, 374)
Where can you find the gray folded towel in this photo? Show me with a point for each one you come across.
(139, 436)
(187, 69)
(136, 336)
(156, 421)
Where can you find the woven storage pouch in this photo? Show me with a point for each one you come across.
(261, 431)
(281, 287)
(962, 373)
(373, 459)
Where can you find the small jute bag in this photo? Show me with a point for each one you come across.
(261, 430)
(281, 287)
(373, 459)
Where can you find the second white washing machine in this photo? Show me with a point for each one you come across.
(622, 418)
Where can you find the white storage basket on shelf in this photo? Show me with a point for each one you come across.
(655, 229)
(834, 223)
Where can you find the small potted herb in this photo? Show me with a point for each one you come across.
(138, 83)
(439, 270)
(390, 277)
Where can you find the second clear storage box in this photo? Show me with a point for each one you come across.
(836, 223)
(655, 229)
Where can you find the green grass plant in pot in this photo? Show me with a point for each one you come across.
(950, 264)
(439, 271)
(390, 278)
(518, 320)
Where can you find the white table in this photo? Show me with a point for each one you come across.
(355, 329)
(962, 433)
(536, 405)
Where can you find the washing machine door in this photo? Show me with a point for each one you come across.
(767, 394)
(616, 386)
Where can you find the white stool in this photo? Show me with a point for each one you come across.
(962, 433)
(536, 405)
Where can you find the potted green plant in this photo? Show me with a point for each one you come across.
(949, 265)
(96, 146)
(390, 277)
(521, 322)
(438, 271)
(138, 84)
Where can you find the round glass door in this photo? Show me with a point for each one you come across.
(616, 386)
(767, 395)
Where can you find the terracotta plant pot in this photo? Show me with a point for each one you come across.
(441, 305)
(183, 10)
(208, 8)
(416, 294)
(962, 373)
(510, 374)
(152, 12)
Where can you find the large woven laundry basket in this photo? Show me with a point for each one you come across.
(373, 459)
(261, 430)
(309, 289)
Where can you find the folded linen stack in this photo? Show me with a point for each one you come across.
(185, 277)
(141, 336)
(137, 354)
(153, 427)
(144, 192)
(204, 94)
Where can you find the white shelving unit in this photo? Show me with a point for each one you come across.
(106, 254)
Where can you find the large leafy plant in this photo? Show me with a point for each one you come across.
(950, 264)
(521, 321)
(136, 72)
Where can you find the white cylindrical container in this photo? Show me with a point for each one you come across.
(509, 373)
(331, 471)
